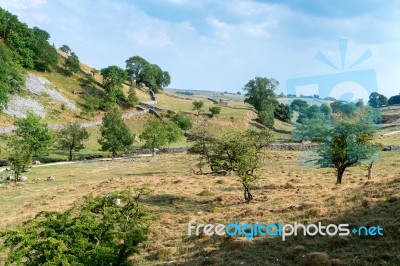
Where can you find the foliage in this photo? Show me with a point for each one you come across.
(197, 105)
(65, 48)
(266, 117)
(141, 71)
(394, 99)
(311, 130)
(174, 133)
(182, 121)
(20, 156)
(299, 105)
(283, 112)
(11, 78)
(260, 93)
(311, 113)
(34, 133)
(238, 152)
(377, 100)
(91, 105)
(113, 77)
(71, 136)
(97, 232)
(30, 46)
(115, 134)
(72, 64)
(347, 144)
(215, 110)
(132, 97)
(154, 133)
(188, 93)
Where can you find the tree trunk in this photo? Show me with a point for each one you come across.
(370, 170)
(153, 152)
(70, 154)
(247, 195)
(114, 153)
(340, 172)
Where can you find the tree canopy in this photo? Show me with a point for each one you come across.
(71, 138)
(151, 75)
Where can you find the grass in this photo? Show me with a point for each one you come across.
(180, 196)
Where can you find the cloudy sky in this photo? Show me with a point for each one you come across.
(220, 45)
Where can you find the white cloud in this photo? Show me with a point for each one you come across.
(149, 39)
(22, 4)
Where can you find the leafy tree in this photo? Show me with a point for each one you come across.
(348, 109)
(283, 112)
(394, 99)
(141, 71)
(311, 130)
(377, 100)
(115, 134)
(99, 231)
(91, 105)
(71, 136)
(113, 77)
(35, 134)
(238, 152)
(132, 97)
(134, 68)
(11, 78)
(174, 133)
(312, 112)
(299, 105)
(326, 110)
(182, 121)
(66, 49)
(46, 57)
(197, 105)
(154, 133)
(72, 64)
(215, 110)
(266, 117)
(260, 93)
(20, 156)
(347, 144)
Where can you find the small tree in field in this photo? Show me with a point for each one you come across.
(215, 110)
(71, 136)
(35, 134)
(20, 156)
(115, 134)
(197, 105)
(174, 133)
(154, 133)
(347, 144)
(72, 64)
(97, 232)
(238, 152)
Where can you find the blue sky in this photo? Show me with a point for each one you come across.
(220, 45)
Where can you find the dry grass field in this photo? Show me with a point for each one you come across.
(286, 192)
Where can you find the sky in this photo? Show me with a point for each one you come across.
(221, 45)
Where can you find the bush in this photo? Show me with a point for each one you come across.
(98, 232)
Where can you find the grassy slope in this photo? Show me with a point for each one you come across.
(180, 196)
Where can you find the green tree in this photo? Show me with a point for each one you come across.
(299, 105)
(155, 134)
(266, 117)
(35, 134)
(283, 112)
(113, 78)
(71, 138)
(132, 97)
(377, 100)
(99, 231)
(182, 121)
(215, 110)
(141, 71)
(347, 144)
(72, 64)
(197, 106)
(46, 57)
(115, 134)
(11, 75)
(260, 93)
(394, 99)
(311, 130)
(20, 156)
(174, 133)
(65, 48)
(238, 152)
